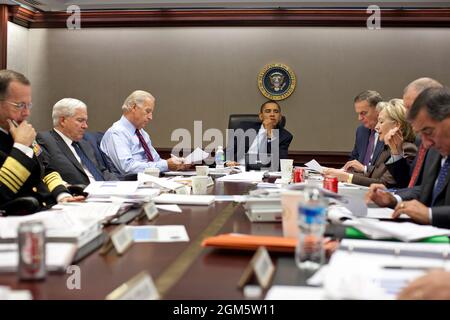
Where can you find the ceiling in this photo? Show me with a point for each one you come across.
(61, 5)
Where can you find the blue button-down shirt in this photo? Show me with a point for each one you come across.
(122, 145)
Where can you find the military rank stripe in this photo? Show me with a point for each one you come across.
(13, 174)
(52, 180)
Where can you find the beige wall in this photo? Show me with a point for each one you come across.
(208, 73)
(17, 55)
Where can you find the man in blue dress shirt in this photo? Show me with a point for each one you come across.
(126, 142)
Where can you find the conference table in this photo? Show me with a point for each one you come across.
(180, 270)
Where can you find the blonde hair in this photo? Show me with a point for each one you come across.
(396, 111)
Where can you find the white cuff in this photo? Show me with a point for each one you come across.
(62, 195)
(430, 215)
(27, 150)
(398, 198)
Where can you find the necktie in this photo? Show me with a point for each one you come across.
(443, 173)
(145, 146)
(419, 162)
(87, 162)
(369, 150)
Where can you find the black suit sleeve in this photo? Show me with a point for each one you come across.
(16, 168)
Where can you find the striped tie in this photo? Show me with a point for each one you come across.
(145, 146)
(419, 162)
(443, 173)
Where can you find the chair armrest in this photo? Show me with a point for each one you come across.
(20, 206)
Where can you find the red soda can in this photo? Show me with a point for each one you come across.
(299, 175)
(330, 183)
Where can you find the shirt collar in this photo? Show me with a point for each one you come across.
(66, 139)
(127, 124)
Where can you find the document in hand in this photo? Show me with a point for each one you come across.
(314, 165)
(197, 156)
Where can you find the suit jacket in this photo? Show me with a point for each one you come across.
(402, 169)
(377, 171)
(424, 192)
(22, 176)
(58, 153)
(361, 142)
(284, 140)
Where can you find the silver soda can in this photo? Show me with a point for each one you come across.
(31, 237)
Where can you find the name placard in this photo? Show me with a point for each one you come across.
(140, 287)
(121, 239)
(261, 266)
(150, 210)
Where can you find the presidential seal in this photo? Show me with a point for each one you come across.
(276, 81)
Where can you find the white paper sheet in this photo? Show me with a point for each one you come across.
(198, 155)
(158, 233)
(161, 182)
(112, 188)
(295, 293)
(314, 165)
(382, 213)
(169, 207)
(251, 176)
(58, 256)
(204, 200)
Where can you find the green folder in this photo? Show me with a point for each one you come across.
(353, 233)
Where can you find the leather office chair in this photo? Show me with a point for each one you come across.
(95, 138)
(20, 206)
(235, 121)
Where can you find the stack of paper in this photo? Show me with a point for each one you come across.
(7, 293)
(60, 227)
(116, 191)
(58, 256)
(405, 231)
(364, 269)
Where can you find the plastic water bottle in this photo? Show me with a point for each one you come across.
(309, 253)
(220, 157)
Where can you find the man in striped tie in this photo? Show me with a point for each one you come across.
(128, 145)
(428, 203)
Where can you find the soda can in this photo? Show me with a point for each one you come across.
(31, 246)
(299, 175)
(330, 183)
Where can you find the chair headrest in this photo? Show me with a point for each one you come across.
(236, 120)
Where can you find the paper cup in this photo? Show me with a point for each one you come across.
(202, 170)
(199, 184)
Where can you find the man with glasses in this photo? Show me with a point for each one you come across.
(22, 172)
(64, 147)
(367, 145)
(128, 145)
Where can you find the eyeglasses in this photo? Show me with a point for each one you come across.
(20, 105)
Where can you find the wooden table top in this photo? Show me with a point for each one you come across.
(211, 273)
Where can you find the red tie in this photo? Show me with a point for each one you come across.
(419, 162)
(145, 146)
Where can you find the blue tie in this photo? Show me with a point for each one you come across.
(443, 173)
(87, 162)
